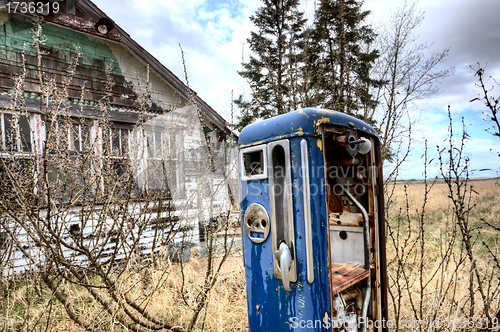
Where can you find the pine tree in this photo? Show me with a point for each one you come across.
(274, 69)
(341, 68)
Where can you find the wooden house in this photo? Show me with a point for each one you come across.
(142, 89)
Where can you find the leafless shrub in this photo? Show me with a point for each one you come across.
(437, 253)
(408, 74)
(489, 99)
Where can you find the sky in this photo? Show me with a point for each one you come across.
(213, 37)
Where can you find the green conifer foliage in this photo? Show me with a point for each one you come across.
(327, 65)
(343, 59)
(273, 70)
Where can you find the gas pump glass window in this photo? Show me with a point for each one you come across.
(254, 162)
(279, 176)
(280, 196)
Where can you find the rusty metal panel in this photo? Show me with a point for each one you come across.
(346, 275)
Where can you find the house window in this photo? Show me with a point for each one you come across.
(17, 166)
(164, 162)
(116, 167)
(116, 148)
(115, 142)
(158, 166)
(173, 155)
(16, 133)
(79, 137)
(68, 139)
(67, 135)
(54, 136)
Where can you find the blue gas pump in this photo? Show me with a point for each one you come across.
(313, 220)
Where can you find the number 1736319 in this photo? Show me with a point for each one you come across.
(32, 7)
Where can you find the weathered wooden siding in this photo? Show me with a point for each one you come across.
(95, 55)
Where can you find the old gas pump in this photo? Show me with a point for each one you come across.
(314, 239)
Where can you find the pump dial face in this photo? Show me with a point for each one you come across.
(256, 221)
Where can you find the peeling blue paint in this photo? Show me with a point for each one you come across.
(306, 301)
(304, 122)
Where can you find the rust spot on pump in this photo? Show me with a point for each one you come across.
(346, 274)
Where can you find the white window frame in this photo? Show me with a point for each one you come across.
(18, 152)
(251, 149)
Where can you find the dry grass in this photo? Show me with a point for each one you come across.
(159, 289)
(486, 196)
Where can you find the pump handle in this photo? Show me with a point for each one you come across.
(285, 262)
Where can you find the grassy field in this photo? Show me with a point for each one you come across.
(430, 273)
(443, 256)
(485, 196)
